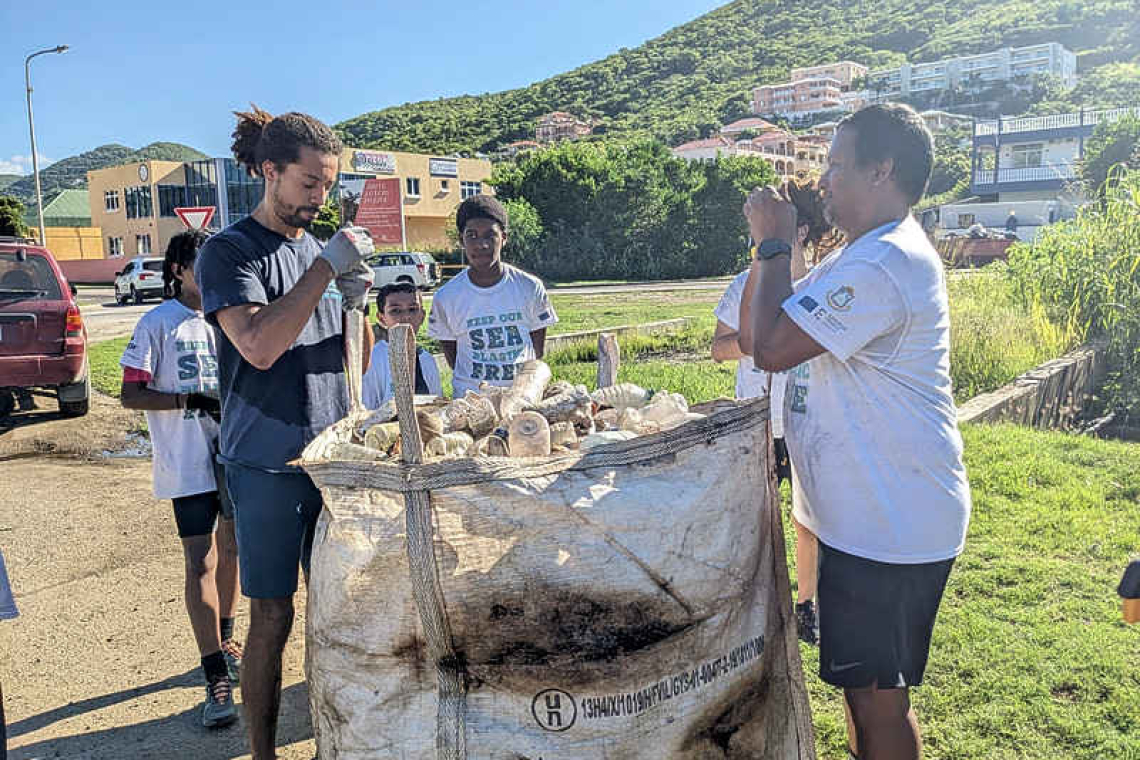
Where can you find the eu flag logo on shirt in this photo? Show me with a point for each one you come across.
(809, 304)
(544, 315)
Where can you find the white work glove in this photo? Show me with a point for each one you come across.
(347, 248)
(354, 286)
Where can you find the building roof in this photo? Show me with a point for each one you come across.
(749, 122)
(717, 141)
(524, 144)
(68, 209)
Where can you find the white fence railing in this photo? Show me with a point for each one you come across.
(1030, 174)
(1055, 121)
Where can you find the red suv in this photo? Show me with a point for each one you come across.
(43, 342)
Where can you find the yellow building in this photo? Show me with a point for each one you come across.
(432, 187)
(134, 203)
(127, 204)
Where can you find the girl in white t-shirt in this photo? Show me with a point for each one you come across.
(170, 371)
(398, 303)
(815, 238)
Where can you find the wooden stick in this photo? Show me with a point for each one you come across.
(609, 359)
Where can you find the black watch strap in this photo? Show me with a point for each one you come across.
(770, 248)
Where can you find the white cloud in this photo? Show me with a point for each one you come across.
(22, 164)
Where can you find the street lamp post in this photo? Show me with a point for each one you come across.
(32, 130)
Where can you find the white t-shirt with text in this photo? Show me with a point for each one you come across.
(491, 326)
(751, 381)
(871, 426)
(378, 386)
(175, 345)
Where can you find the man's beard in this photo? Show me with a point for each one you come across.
(293, 217)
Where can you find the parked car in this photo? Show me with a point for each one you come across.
(43, 341)
(140, 279)
(420, 269)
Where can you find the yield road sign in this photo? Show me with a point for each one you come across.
(195, 217)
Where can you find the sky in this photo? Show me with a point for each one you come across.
(141, 71)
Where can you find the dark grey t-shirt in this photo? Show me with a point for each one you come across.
(268, 416)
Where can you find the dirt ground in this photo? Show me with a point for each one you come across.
(101, 663)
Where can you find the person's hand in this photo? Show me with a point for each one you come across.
(347, 248)
(354, 286)
(200, 402)
(770, 216)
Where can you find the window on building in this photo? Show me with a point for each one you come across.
(444, 186)
(467, 189)
(114, 246)
(110, 200)
(170, 197)
(142, 245)
(965, 220)
(138, 202)
(412, 186)
(1027, 156)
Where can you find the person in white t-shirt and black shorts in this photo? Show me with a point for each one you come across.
(170, 371)
(872, 428)
(492, 317)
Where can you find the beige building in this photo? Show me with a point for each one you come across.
(134, 203)
(433, 187)
(844, 72)
(559, 125)
(125, 205)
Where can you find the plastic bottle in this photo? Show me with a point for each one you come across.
(566, 405)
(384, 436)
(450, 445)
(666, 409)
(562, 434)
(622, 396)
(606, 436)
(529, 435)
(494, 445)
(531, 379)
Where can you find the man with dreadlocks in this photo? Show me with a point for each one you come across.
(170, 371)
(276, 296)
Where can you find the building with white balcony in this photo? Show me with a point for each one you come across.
(973, 72)
(1031, 158)
(559, 125)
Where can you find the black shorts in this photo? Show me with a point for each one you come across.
(876, 619)
(196, 515)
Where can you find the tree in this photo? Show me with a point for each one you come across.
(327, 222)
(1114, 142)
(12, 217)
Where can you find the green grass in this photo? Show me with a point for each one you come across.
(106, 374)
(1030, 658)
(992, 340)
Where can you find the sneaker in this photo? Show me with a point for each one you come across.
(219, 710)
(807, 623)
(232, 651)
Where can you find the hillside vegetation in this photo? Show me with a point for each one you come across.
(71, 172)
(695, 77)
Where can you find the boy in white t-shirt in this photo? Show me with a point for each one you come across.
(170, 371)
(492, 317)
(398, 303)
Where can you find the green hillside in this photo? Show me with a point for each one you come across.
(71, 172)
(9, 179)
(695, 77)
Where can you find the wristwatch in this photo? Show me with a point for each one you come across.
(770, 248)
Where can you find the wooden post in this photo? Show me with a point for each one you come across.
(609, 358)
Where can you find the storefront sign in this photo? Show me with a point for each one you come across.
(443, 167)
(374, 161)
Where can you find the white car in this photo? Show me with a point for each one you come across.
(420, 269)
(141, 278)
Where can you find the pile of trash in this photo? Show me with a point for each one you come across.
(534, 417)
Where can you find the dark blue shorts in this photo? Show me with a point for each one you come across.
(876, 619)
(274, 516)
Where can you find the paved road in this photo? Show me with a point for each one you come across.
(105, 319)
